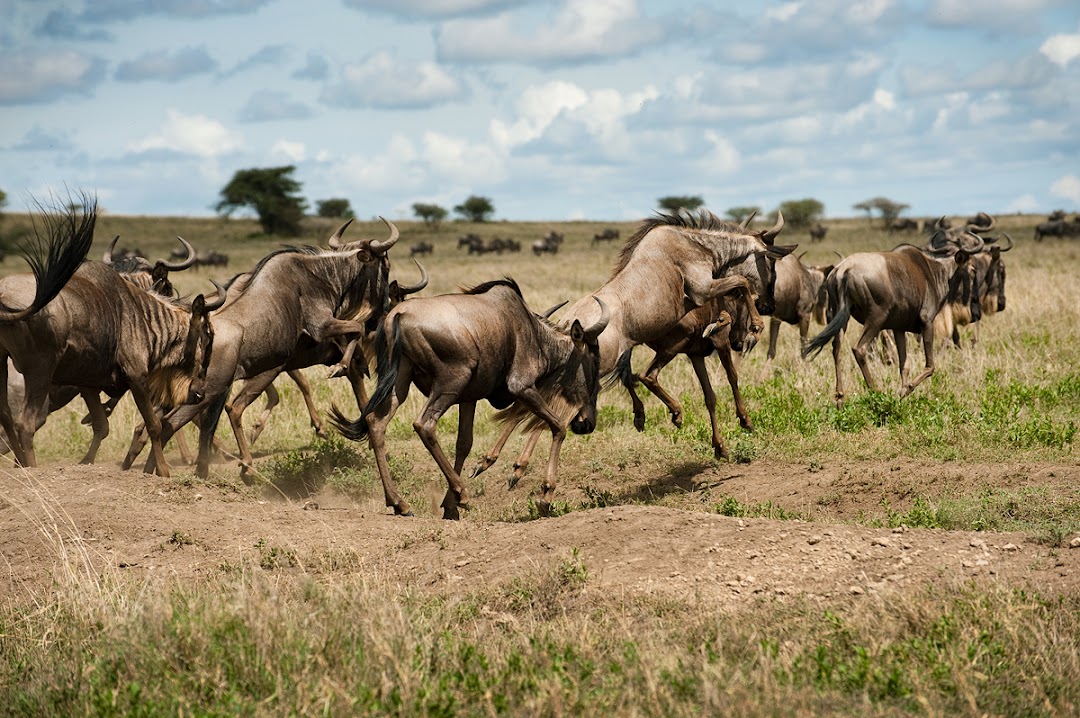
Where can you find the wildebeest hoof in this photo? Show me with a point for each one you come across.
(484, 463)
(676, 419)
(512, 482)
(721, 453)
(543, 508)
(338, 370)
(746, 424)
(639, 421)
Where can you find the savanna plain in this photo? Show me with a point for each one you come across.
(892, 557)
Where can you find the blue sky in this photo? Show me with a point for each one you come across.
(554, 109)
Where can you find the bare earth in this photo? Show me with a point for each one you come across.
(143, 526)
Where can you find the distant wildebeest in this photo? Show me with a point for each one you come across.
(670, 265)
(799, 296)
(482, 344)
(817, 232)
(549, 244)
(212, 258)
(609, 234)
(293, 297)
(139, 270)
(727, 326)
(472, 242)
(99, 332)
(901, 290)
(903, 224)
(421, 248)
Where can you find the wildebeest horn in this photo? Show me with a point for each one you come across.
(185, 263)
(382, 247)
(335, 239)
(939, 225)
(107, 257)
(838, 255)
(801, 255)
(413, 289)
(982, 228)
(222, 294)
(770, 234)
(749, 218)
(605, 316)
(557, 307)
(1006, 236)
(971, 243)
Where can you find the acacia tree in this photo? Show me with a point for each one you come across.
(801, 212)
(475, 209)
(432, 214)
(889, 209)
(674, 203)
(336, 208)
(271, 192)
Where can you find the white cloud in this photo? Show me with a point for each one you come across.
(191, 134)
(724, 157)
(582, 31)
(429, 8)
(39, 76)
(994, 15)
(536, 108)
(462, 161)
(289, 151)
(1024, 203)
(884, 99)
(1067, 187)
(1061, 49)
(382, 81)
(784, 12)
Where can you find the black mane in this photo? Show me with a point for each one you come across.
(702, 221)
(504, 282)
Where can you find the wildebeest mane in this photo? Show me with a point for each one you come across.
(701, 221)
(487, 286)
(287, 249)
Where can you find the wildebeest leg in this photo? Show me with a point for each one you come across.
(522, 462)
(443, 395)
(774, 334)
(804, 330)
(33, 414)
(532, 399)
(701, 371)
(651, 381)
(928, 348)
(342, 367)
(486, 461)
(251, 389)
(870, 331)
(356, 379)
(153, 427)
(837, 344)
(98, 420)
(466, 414)
(272, 400)
(309, 401)
(7, 421)
(901, 355)
(731, 370)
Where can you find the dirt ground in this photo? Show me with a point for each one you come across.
(137, 525)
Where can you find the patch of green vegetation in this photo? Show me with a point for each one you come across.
(731, 506)
(302, 472)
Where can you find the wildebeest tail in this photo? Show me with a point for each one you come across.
(389, 358)
(834, 327)
(624, 372)
(55, 250)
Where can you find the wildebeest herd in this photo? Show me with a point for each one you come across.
(684, 283)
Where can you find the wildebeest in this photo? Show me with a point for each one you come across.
(100, 332)
(725, 325)
(482, 344)
(472, 242)
(421, 248)
(988, 267)
(138, 269)
(294, 297)
(672, 263)
(901, 290)
(212, 258)
(903, 224)
(799, 296)
(549, 244)
(609, 234)
(817, 232)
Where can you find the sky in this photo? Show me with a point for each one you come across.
(552, 109)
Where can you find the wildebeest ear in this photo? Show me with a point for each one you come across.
(780, 250)
(826, 269)
(577, 332)
(199, 305)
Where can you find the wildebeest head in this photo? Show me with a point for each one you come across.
(581, 378)
(990, 267)
(956, 252)
(199, 345)
(759, 266)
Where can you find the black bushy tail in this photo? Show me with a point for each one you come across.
(389, 359)
(56, 250)
(624, 372)
(209, 423)
(834, 327)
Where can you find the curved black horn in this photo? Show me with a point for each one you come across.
(413, 289)
(769, 235)
(223, 292)
(1006, 236)
(971, 243)
(185, 263)
(107, 257)
(982, 228)
(335, 239)
(605, 316)
(749, 218)
(557, 307)
(382, 247)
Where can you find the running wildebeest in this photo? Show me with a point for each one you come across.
(481, 344)
(725, 325)
(294, 296)
(901, 290)
(800, 296)
(672, 263)
(99, 332)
